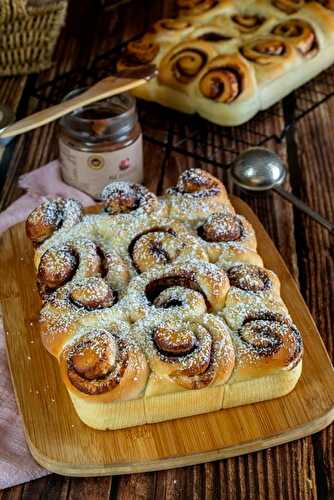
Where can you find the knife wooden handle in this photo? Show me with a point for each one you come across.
(105, 88)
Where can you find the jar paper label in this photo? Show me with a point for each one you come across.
(90, 172)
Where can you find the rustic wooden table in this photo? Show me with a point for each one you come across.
(302, 469)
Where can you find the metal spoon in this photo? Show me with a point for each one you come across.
(259, 169)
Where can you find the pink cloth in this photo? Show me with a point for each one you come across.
(43, 183)
(16, 463)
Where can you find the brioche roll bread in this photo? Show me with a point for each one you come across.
(159, 307)
(226, 60)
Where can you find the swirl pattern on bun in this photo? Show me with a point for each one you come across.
(183, 64)
(196, 194)
(160, 307)
(288, 6)
(139, 52)
(196, 8)
(59, 265)
(266, 51)
(123, 197)
(248, 23)
(104, 364)
(186, 354)
(224, 231)
(253, 289)
(159, 246)
(267, 342)
(52, 216)
(196, 287)
(300, 33)
(170, 30)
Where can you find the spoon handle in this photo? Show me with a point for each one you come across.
(108, 87)
(305, 208)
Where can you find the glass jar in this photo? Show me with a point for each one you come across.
(101, 143)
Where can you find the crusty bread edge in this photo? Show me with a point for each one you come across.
(122, 414)
(261, 389)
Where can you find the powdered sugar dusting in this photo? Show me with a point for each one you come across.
(136, 284)
(51, 216)
(122, 196)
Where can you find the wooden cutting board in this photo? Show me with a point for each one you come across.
(59, 441)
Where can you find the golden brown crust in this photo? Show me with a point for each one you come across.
(192, 287)
(104, 366)
(221, 227)
(51, 216)
(61, 316)
(253, 289)
(272, 57)
(248, 23)
(59, 265)
(198, 183)
(170, 24)
(199, 277)
(80, 259)
(223, 232)
(288, 6)
(190, 354)
(227, 78)
(266, 342)
(300, 33)
(202, 9)
(93, 293)
(221, 84)
(123, 197)
(197, 193)
(96, 287)
(171, 30)
(321, 19)
(227, 89)
(159, 246)
(180, 310)
(265, 41)
(181, 66)
(139, 52)
(236, 254)
(252, 278)
(267, 50)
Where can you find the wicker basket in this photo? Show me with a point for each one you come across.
(28, 33)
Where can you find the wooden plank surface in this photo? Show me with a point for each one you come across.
(59, 440)
(303, 469)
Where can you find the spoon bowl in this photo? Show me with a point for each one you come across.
(258, 169)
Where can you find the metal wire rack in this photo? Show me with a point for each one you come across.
(191, 135)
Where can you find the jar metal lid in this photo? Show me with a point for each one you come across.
(111, 118)
(7, 117)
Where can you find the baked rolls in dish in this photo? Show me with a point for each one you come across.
(159, 307)
(228, 59)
